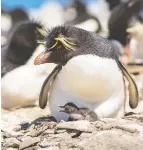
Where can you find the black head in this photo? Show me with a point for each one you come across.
(18, 15)
(69, 108)
(65, 42)
(79, 6)
(21, 45)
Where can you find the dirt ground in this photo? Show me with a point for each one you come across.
(31, 129)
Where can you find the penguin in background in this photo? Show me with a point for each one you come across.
(21, 80)
(88, 74)
(120, 17)
(21, 86)
(18, 15)
(113, 3)
(83, 19)
(20, 46)
(10, 19)
(136, 41)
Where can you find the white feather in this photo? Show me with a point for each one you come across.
(90, 25)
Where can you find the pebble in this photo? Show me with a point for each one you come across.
(50, 148)
(10, 133)
(11, 149)
(11, 142)
(82, 125)
(35, 133)
(47, 143)
(29, 141)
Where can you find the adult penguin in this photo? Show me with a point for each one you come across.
(10, 19)
(89, 74)
(113, 3)
(21, 80)
(83, 19)
(120, 17)
(20, 46)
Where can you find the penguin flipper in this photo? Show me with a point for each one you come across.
(133, 91)
(43, 98)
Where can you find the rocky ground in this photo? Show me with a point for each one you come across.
(31, 129)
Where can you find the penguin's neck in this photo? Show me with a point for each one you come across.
(90, 77)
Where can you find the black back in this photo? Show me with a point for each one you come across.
(20, 47)
(120, 17)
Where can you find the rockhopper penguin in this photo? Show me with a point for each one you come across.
(89, 74)
(20, 46)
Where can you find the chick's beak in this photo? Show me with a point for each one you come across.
(42, 58)
(62, 109)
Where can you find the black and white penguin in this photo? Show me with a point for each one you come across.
(136, 41)
(83, 18)
(21, 86)
(113, 3)
(88, 74)
(10, 19)
(20, 46)
(18, 15)
(21, 79)
(120, 18)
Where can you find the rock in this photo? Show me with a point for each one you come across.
(107, 139)
(50, 148)
(11, 149)
(46, 143)
(29, 141)
(11, 142)
(82, 125)
(52, 131)
(8, 132)
(39, 129)
(35, 133)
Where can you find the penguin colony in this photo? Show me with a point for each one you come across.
(88, 78)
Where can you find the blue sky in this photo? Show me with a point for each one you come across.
(27, 4)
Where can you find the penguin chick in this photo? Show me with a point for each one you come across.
(136, 42)
(89, 74)
(76, 113)
(20, 47)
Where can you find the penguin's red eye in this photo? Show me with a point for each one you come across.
(59, 47)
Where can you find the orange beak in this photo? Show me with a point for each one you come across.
(41, 58)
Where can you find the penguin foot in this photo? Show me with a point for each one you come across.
(76, 113)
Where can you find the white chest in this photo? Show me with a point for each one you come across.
(90, 77)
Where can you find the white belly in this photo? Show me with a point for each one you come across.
(136, 48)
(89, 25)
(88, 81)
